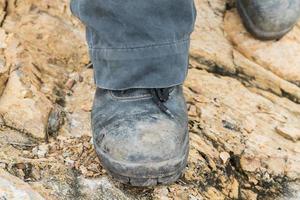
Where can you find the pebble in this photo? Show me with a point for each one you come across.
(161, 193)
(70, 163)
(249, 124)
(87, 107)
(289, 132)
(35, 173)
(192, 197)
(224, 156)
(42, 151)
(70, 83)
(27, 94)
(3, 165)
(249, 195)
(193, 111)
(234, 193)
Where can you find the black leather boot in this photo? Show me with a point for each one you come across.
(141, 135)
(269, 19)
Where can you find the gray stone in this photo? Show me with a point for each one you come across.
(101, 188)
(13, 188)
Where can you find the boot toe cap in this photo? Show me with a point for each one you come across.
(141, 141)
(143, 148)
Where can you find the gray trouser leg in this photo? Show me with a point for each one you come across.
(137, 43)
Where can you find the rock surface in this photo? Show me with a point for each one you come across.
(280, 57)
(243, 98)
(13, 188)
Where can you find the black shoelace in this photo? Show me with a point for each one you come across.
(160, 96)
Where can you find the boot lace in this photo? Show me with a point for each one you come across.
(160, 96)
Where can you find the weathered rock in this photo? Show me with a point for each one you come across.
(22, 106)
(55, 121)
(101, 188)
(14, 137)
(224, 156)
(289, 132)
(161, 193)
(79, 106)
(3, 4)
(27, 115)
(249, 195)
(243, 102)
(208, 42)
(234, 190)
(40, 57)
(293, 193)
(4, 68)
(41, 151)
(281, 57)
(13, 188)
(242, 56)
(226, 99)
(56, 49)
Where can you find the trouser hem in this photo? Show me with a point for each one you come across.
(154, 66)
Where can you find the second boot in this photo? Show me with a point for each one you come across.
(269, 19)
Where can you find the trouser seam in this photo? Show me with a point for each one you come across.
(158, 45)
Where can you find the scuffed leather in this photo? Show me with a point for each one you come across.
(129, 127)
(272, 15)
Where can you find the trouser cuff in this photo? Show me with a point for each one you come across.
(155, 66)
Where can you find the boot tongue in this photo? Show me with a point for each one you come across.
(159, 96)
(161, 93)
(132, 93)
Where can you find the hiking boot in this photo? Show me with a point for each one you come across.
(269, 19)
(141, 135)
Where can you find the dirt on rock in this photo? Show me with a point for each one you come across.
(243, 99)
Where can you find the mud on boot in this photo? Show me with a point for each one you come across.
(141, 135)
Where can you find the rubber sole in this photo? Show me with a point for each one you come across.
(145, 175)
(146, 182)
(254, 30)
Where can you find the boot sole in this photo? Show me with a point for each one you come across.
(256, 32)
(145, 175)
(146, 182)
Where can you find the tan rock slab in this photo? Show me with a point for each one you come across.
(27, 115)
(219, 43)
(289, 131)
(4, 68)
(235, 104)
(280, 57)
(208, 41)
(224, 157)
(259, 77)
(2, 10)
(13, 188)
(225, 98)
